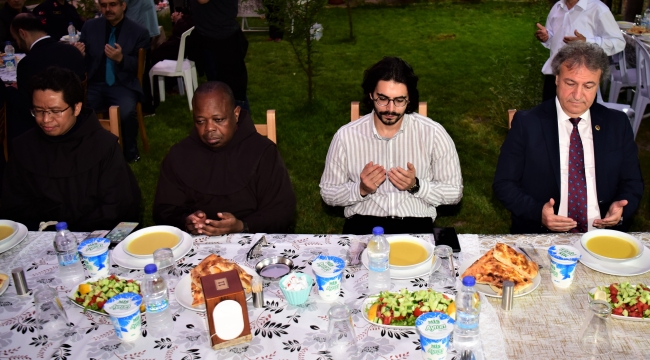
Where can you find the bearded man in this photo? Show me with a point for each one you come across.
(392, 167)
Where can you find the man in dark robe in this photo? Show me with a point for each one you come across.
(68, 168)
(225, 177)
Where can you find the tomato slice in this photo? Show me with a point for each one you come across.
(417, 312)
(617, 311)
(387, 320)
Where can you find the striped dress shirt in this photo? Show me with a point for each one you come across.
(420, 141)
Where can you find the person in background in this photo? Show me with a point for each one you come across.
(7, 14)
(275, 22)
(169, 49)
(570, 164)
(577, 20)
(110, 45)
(143, 12)
(225, 177)
(57, 15)
(68, 168)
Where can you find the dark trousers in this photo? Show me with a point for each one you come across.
(101, 97)
(550, 90)
(224, 61)
(362, 225)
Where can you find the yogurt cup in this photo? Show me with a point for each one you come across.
(435, 330)
(563, 264)
(94, 254)
(328, 271)
(124, 310)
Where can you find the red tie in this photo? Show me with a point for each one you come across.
(577, 195)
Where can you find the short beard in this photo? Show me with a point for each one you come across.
(381, 114)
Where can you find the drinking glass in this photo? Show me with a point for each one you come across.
(51, 319)
(164, 260)
(341, 339)
(595, 336)
(445, 276)
(637, 19)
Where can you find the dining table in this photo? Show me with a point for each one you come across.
(544, 324)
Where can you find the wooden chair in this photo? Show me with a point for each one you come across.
(268, 129)
(3, 130)
(511, 114)
(113, 124)
(138, 107)
(354, 109)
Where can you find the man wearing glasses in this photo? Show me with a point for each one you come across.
(392, 167)
(68, 168)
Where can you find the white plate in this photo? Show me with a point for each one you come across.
(183, 291)
(487, 290)
(624, 25)
(619, 317)
(148, 230)
(629, 268)
(70, 294)
(126, 261)
(420, 271)
(612, 233)
(6, 245)
(5, 285)
(370, 299)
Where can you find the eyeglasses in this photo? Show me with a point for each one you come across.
(384, 101)
(41, 113)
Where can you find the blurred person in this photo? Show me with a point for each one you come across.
(225, 177)
(7, 14)
(577, 20)
(143, 12)
(169, 49)
(110, 45)
(392, 167)
(57, 15)
(570, 164)
(68, 168)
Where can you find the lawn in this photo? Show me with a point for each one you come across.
(474, 61)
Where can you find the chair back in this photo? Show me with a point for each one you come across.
(354, 109)
(181, 51)
(268, 129)
(142, 54)
(113, 124)
(642, 69)
(622, 65)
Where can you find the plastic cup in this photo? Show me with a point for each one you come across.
(328, 271)
(124, 310)
(435, 330)
(563, 264)
(94, 254)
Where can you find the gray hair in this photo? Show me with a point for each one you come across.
(581, 53)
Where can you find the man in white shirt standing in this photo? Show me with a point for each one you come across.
(392, 167)
(577, 20)
(570, 164)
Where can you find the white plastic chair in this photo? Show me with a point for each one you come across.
(625, 108)
(642, 95)
(621, 78)
(176, 68)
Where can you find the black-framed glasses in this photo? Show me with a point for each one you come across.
(384, 101)
(40, 113)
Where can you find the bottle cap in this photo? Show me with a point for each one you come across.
(507, 295)
(150, 269)
(378, 230)
(61, 226)
(469, 281)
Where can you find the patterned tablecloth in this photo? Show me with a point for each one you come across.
(541, 325)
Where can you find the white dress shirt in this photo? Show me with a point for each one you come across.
(420, 141)
(565, 127)
(39, 39)
(591, 18)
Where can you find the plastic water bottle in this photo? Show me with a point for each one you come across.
(156, 300)
(10, 58)
(65, 245)
(72, 34)
(645, 22)
(379, 270)
(468, 307)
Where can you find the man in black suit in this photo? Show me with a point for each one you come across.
(110, 45)
(57, 15)
(7, 14)
(570, 164)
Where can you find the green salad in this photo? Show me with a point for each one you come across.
(403, 307)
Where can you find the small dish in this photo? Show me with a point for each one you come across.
(587, 237)
(274, 268)
(152, 229)
(297, 297)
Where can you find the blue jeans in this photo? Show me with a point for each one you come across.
(101, 97)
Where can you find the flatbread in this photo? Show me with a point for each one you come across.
(214, 264)
(518, 261)
(3, 278)
(488, 270)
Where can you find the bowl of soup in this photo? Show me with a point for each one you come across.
(612, 245)
(8, 229)
(144, 242)
(408, 252)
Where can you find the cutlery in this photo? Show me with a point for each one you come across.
(539, 264)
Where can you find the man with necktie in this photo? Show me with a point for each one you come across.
(570, 164)
(110, 45)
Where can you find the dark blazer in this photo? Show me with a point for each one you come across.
(528, 171)
(132, 37)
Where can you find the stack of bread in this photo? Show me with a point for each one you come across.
(215, 264)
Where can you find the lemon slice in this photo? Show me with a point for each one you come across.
(600, 295)
(84, 289)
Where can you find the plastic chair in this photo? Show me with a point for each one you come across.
(621, 78)
(642, 94)
(268, 129)
(176, 68)
(354, 109)
(113, 124)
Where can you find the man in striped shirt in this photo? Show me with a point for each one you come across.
(392, 167)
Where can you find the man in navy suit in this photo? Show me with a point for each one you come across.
(570, 164)
(111, 44)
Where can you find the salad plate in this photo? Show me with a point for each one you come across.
(124, 260)
(71, 293)
(614, 316)
(398, 274)
(183, 291)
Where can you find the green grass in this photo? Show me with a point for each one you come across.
(473, 60)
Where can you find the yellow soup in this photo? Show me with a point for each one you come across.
(5, 231)
(612, 247)
(148, 243)
(405, 253)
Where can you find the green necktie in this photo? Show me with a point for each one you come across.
(110, 64)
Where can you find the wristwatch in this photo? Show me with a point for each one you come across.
(415, 188)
